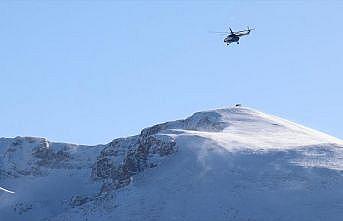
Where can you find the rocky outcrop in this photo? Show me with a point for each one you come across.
(125, 157)
(25, 156)
(121, 159)
(49, 156)
(80, 200)
(201, 121)
(22, 207)
(205, 121)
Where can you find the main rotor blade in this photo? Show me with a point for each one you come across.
(244, 31)
(219, 32)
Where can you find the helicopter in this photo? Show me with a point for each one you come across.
(235, 36)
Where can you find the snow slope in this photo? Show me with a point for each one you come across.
(226, 164)
(253, 129)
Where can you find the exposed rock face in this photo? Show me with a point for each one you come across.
(24, 156)
(205, 121)
(79, 200)
(49, 156)
(125, 157)
(21, 208)
(117, 162)
(16, 156)
(200, 121)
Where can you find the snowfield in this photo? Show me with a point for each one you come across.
(227, 164)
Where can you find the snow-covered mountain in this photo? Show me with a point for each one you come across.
(226, 164)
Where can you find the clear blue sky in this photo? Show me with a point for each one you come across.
(87, 72)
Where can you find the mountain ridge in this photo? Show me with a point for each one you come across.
(172, 170)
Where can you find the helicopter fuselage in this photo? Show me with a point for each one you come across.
(231, 38)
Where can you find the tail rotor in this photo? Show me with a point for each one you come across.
(250, 29)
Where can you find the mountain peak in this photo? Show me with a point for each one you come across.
(244, 127)
(213, 165)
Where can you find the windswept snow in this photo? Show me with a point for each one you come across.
(6, 190)
(248, 128)
(226, 164)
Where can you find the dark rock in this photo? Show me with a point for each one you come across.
(79, 200)
(123, 158)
